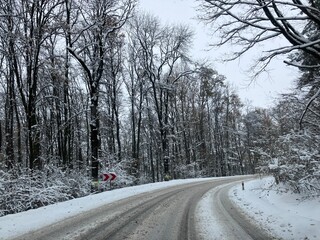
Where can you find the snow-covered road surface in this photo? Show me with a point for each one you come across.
(174, 212)
(281, 213)
(218, 218)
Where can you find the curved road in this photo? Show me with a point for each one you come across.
(163, 214)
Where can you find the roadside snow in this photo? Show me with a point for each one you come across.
(286, 215)
(17, 224)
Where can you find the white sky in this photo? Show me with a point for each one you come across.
(261, 93)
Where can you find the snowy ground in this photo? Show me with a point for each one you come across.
(285, 215)
(20, 223)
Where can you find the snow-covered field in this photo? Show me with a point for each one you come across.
(286, 215)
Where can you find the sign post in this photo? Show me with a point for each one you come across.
(109, 176)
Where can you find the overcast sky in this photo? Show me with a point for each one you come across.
(260, 93)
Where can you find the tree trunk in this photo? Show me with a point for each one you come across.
(94, 133)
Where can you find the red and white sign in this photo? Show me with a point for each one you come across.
(109, 176)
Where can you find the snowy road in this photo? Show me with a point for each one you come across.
(170, 213)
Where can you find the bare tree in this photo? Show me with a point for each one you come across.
(100, 21)
(249, 23)
(160, 50)
(7, 28)
(26, 26)
(137, 89)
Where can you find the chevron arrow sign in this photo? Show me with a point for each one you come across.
(109, 176)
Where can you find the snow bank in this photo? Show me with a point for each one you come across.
(20, 223)
(286, 215)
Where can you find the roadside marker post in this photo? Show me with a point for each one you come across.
(109, 177)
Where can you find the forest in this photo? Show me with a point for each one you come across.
(96, 86)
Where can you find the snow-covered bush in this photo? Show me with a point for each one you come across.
(21, 190)
(121, 169)
(191, 170)
(299, 162)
